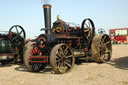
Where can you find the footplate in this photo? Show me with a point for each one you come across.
(38, 59)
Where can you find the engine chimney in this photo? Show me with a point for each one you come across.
(47, 18)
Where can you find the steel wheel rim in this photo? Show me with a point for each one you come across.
(64, 59)
(105, 48)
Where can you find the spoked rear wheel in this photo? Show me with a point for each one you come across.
(62, 59)
(101, 48)
(33, 67)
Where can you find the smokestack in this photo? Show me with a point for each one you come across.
(47, 18)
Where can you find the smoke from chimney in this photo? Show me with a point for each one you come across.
(45, 1)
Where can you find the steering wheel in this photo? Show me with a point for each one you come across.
(88, 28)
(17, 35)
(101, 31)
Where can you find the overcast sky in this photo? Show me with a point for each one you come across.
(105, 14)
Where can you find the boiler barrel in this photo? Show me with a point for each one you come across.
(5, 46)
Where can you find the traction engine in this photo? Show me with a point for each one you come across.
(62, 44)
(11, 44)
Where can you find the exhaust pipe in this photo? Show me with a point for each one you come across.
(47, 18)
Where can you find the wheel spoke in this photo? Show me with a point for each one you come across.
(107, 42)
(58, 59)
(103, 38)
(60, 65)
(14, 38)
(20, 32)
(17, 30)
(89, 24)
(59, 55)
(86, 25)
(89, 33)
(68, 60)
(65, 51)
(102, 42)
(87, 30)
(64, 67)
(69, 56)
(61, 50)
(66, 63)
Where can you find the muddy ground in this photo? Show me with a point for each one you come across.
(114, 72)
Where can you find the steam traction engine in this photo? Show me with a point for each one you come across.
(60, 45)
(101, 31)
(11, 44)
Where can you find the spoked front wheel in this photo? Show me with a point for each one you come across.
(62, 58)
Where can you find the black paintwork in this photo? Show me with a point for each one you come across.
(73, 36)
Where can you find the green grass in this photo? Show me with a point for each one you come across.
(121, 44)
